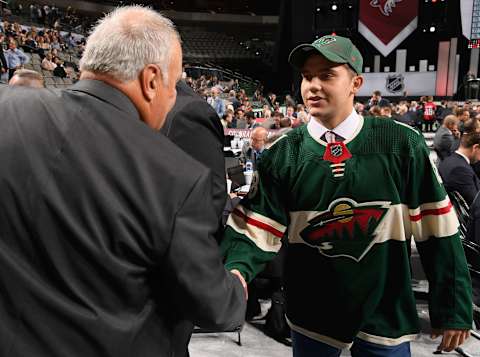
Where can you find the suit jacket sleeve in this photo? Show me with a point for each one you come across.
(2, 59)
(473, 233)
(212, 296)
(462, 180)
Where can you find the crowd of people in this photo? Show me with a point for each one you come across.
(19, 42)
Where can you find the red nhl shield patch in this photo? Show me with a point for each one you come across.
(336, 152)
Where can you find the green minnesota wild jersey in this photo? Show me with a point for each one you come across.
(349, 225)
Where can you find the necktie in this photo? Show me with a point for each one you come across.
(331, 137)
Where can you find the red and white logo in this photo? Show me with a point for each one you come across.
(385, 6)
(386, 23)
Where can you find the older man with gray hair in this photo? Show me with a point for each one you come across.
(106, 226)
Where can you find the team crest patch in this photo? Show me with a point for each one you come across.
(326, 40)
(395, 83)
(346, 229)
(336, 152)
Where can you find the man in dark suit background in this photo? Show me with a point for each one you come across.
(447, 137)
(3, 61)
(194, 126)
(456, 170)
(106, 226)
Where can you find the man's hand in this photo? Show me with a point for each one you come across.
(451, 339)
(242, 280)
(456, 133)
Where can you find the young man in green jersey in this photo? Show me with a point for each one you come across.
(350, 193)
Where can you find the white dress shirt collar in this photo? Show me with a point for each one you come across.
(462, 155)
(347, 129)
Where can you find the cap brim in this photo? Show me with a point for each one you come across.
(299, 55)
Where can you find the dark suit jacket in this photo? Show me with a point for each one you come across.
(195, 127)
(459, 176)
(105, 231)
(476, 168)
(444, 142)
(248, 154)
(3, 61)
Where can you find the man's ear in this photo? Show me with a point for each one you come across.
(150, 78)
(357, 84)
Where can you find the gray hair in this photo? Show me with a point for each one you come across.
(126, 40)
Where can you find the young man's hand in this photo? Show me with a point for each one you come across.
(451, 339)
(242, 280)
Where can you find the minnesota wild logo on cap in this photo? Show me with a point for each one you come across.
(325, 40)
(336, 49)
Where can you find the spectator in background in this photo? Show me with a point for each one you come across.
(15, 58)
(27, 78)
(59, 70)
(429, 109)
(232, 98)
(301, 114)
(289, 101)
(406, 116)
(227, 120)
(251, 120)
(217, 103)
(360, 109)
(254, 150)
(269, 123)
(272, 100)
(377, 100)
(462, 115)
(386, 111)
(447, 137)
(375, 111)
(47, 63)
(239, 121)
(456, 172)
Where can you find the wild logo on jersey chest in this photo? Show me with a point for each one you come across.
(346, 229)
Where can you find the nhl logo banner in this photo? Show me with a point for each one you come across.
(386, 23)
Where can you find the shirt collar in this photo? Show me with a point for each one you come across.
(462, 155)
(346, 129)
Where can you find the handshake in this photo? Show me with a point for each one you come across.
(242, 280)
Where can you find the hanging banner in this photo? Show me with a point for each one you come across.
(386, 23)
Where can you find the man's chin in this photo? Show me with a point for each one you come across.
(318, 113)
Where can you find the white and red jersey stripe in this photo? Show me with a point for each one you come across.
(263, 231)
(437, 219)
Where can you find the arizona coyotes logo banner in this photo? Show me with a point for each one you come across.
(386, 23)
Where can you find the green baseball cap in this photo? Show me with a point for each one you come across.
(336, 49)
